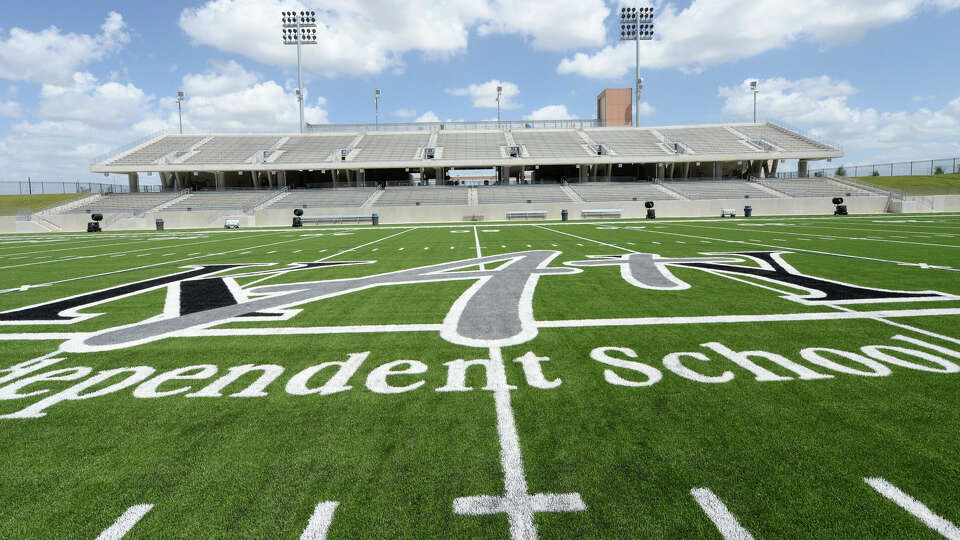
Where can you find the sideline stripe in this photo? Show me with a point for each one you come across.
(320, 521)
(914, 507)
(824, 236)
(718, 513)
(124, 523)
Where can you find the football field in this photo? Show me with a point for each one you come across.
(765, 377)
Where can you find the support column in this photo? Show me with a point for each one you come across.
(133, 181)
(582, 169)
(802, 168)
(220, 180)
(686, 169)
(772, 169)
(281, 179)
(441, 179)
(361, 177)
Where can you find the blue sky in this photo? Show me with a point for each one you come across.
(78, 79)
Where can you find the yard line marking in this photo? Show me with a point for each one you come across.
(451, 247)
(376, 249)
(503, 246)
(835, 237)
(914, 507)
(901, 263)
(168, 254)
(117, 255)
(554, 245)
(320, 521)
(900, 325)
(718, 513)
(426, 248)
(271, 252)
(124, 523)
(299, 250)
(476, 241)
(321, 251)
(587, 239)
(529, 246)
(516, 502)
(401, 249)
(245, 253)
(630, 244)
(192, 254)
(363, 245)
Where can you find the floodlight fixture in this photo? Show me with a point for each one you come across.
(753, 87)
(180, 110)
(636, 24)
(499, 93)
(376, 102)
(299, 28)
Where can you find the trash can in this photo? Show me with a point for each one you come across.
(159, 223)
(747, 211)
(297, 221)
(564, 214)
(376, 218)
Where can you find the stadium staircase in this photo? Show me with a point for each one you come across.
(571, 193)
(183, 194)
(76, 203)
(284, 192)
(372, 199)
(668, 191)
(770, 190)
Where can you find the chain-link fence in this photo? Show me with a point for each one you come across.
(41, 187)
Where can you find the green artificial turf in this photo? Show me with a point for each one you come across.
(788, 457)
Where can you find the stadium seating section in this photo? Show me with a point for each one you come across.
(123, 203)
(551, 144)
(226, 149)
(471, 145)
(391, 146)
(411, 196)
(717, 189)
(324, 198)
(311, 148)
(810, 187)
(522, 194)
(222, 200)
(641, 191)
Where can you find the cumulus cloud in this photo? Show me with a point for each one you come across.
(52, 56)
(370, 36)
(484, 95)
(222, 78)
(428, 116)
(404, 113)
(550, 112)
(821, 104)
(10, 109)
(711, 32)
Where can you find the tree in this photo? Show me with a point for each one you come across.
(938, 170)
(841, 171)
(875, 173)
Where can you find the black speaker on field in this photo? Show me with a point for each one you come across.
(838, 200)
(96, 217)
(297, 221)
(841, 210)
(298, 212)
(93, 226)
(648, 204)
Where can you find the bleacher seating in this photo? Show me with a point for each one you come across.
(123, 203)
(157, 149)
(628, 142)
(231, 149)
(551, 144)
(812, 187)
(390, 146)
(311, 148)
(324, 198)
(717, 189)
(605, 191)
(471, 144)
(522, 194)
(786, 140)
(410, 196)
(709, 140)
(221, 200)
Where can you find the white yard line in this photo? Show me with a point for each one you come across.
(916, 508)
(718, 513)
(901, 325)
(125, 523)
(362, 246)
(825, 236)
(476, 239)
(320, 521)
(587, 239)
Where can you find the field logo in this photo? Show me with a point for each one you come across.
(495, 311)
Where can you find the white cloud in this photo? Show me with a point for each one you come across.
(370, 36)
(222, 78)
(404, 113)
(821, 105)
(646, 109)
(484, 95)
(110, 105)
(53, 56)
(428, 116)
(10, 109)
(711, 32)
(550, 112)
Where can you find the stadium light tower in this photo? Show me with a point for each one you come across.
(499, 93)
(376, 102)
(180, 110)
(753, 86)
(299, 29)
(636, 24)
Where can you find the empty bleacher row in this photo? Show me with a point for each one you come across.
(471, 145)
(786, 140)
(717, 189)
(709, 140)
(552, 144)
(231, 149)
(324, 198)
(629, 142)
(221, 200)
(125, 203)
(158, 149)
(522, 194)
(413, 196)
(812, 187)
(641, 191)
(390, 146)
(311, 148)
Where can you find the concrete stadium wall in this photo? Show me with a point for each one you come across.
(489, 212)
(8, 224)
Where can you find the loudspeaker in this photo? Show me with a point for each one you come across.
(96, 217)
(648, 204)
(297, 221)
(298, 212)
(838, 200)
(93, 226)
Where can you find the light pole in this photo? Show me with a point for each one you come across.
(636, 24)
(299, 29)
(180, 110)
(376, 102)
(499, 93)
(753, 86)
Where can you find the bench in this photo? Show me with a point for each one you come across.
(728, 212)
(527, 214)
(345, 218)
(601, 213)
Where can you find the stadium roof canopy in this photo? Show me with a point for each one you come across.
(445, 146)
